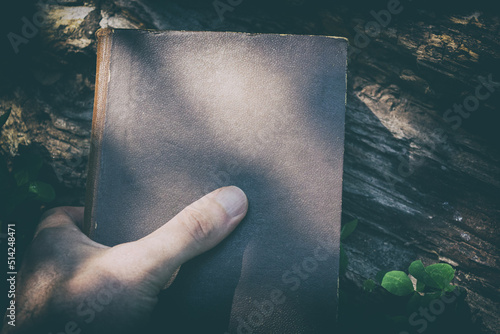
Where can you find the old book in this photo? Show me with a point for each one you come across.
(178, 114)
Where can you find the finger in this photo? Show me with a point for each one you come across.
(196, 229)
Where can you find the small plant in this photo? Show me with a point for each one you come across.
(423, 299)
(430, 290)
(434, 279)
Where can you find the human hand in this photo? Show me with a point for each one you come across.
(71, 284)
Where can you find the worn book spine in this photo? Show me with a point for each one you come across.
(104, 39)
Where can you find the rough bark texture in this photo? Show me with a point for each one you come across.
(423, 185)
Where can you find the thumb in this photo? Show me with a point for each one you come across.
(196, 229)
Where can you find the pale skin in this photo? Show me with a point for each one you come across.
(71, 284)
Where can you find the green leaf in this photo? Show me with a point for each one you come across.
(420, 286)
(26, 167)
(5, 117)
(417, 270)
(441, 273)
(344, 261)
(369, 285)
(348, 229)
(397, 283)
(449, 288)
(22, 177)
(44, 192)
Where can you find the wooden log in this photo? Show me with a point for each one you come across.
(423, 181)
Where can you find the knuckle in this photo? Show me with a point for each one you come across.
(198, 224)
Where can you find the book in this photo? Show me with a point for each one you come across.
(178, 114)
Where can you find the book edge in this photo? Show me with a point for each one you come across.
(342, 157)
(104, 43)
(158, 31)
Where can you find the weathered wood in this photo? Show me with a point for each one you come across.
(423, 186)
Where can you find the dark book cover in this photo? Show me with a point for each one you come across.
(178, 114)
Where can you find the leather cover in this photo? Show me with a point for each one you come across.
(178, 114)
